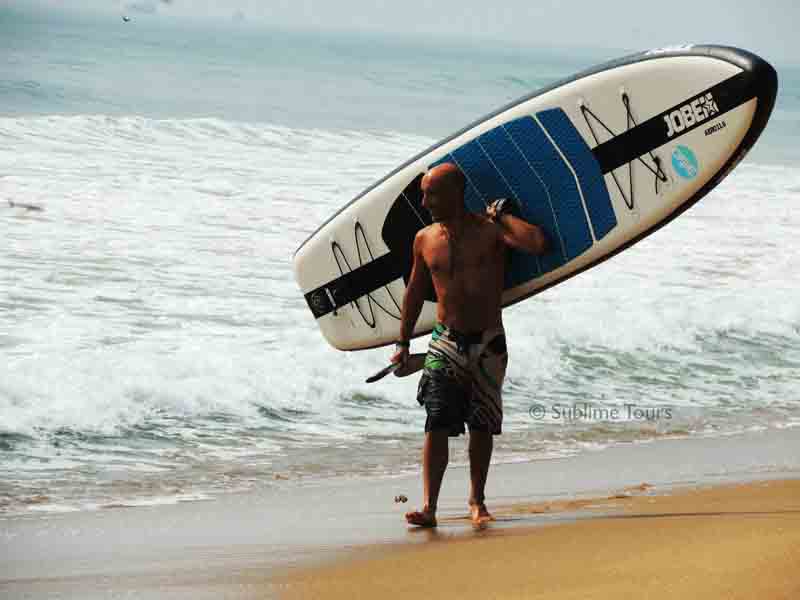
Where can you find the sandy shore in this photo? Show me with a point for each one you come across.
(726, 541)
(557, 531)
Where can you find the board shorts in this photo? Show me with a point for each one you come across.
(462, 380)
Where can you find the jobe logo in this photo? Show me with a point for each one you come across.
(698, 110)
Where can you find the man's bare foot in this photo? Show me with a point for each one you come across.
(423, 518)
(479, 515)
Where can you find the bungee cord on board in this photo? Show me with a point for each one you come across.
(338, 252)
(658, 172)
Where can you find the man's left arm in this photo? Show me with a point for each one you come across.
(516, 232)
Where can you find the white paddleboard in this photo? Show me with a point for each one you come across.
(599, 161)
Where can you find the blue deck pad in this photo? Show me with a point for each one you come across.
(518, 160)
(532, 196)
(543, 158)
(577, 152)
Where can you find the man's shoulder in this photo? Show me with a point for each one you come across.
(424, 237)
(425, 233)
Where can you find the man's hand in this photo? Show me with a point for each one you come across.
(500, 207)
(491, 212)
(401, 354)
(515, 231)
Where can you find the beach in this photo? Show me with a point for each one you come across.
(728, 541)
(158, 349)
(174, 425)
(614, 521)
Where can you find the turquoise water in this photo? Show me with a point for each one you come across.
(162, 69)
(155, 346)
(298, 79)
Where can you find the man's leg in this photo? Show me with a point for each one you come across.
(435, 453)
(486, 418)
(480, 454)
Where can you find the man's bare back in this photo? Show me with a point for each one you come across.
(466, 267)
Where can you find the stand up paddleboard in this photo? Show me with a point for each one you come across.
(599, 161)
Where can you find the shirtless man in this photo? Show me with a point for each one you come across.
(463, 255)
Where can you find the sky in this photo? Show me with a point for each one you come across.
(767, 27)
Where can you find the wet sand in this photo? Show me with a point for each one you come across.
(559, 529)
(727, 541)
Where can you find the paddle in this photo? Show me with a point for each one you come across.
(414, 363)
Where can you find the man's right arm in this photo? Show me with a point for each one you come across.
(418, 284)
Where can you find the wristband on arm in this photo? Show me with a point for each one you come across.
(505, 206)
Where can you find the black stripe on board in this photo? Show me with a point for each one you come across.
(351, 286)
(663, 128)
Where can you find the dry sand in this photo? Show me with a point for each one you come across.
(730, 541)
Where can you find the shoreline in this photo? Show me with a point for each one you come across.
(40, 504)
(737, 540)
(239, 545)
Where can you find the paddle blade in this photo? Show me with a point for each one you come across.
(383, 372)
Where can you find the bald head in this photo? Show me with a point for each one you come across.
(443, 192)
(448, 176)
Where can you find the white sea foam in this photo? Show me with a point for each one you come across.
(150, 322)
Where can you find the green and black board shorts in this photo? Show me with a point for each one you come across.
(462, 380)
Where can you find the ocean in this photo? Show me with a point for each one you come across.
(155, 347)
